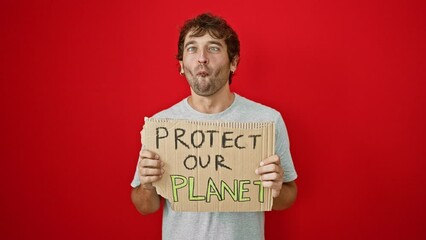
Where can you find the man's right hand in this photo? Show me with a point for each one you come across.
(150, 168)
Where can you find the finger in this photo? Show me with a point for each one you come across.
(274, 176)
(268, 169)
(275, 193)
(149, 154)
(272, 184)
(274, 159)
(145, 162)
(149, 179)
(151, 171)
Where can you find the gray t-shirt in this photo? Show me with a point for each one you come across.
(224, 225)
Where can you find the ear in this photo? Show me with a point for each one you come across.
(181, 68)
(234, 63)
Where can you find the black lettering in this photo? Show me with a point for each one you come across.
(236, 142)
(190, 157)
(193, 140)
(254, 139)
(219, 162)
(211, 136)
(158, 137)
(201, 163)
(178, 136)
(224, 140)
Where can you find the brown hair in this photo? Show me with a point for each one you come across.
(217, 27)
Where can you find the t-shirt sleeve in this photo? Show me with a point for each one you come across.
(282, 149)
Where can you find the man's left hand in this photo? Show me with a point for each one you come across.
(271, 174)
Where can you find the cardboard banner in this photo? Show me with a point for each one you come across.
(209, 166)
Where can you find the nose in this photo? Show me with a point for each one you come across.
(202, 58)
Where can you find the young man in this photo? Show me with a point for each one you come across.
(208, 53)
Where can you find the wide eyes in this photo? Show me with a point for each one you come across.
(212, 49)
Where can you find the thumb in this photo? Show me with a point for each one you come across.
(275, 193)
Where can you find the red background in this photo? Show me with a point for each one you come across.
(78, 77)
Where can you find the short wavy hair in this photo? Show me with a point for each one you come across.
(217, 27)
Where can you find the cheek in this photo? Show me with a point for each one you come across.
(186, 67)
(187, 62)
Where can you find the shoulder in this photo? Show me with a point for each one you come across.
(172, 112)
(257, 110)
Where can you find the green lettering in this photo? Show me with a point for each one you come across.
(176, 186)
(212, 190)
(224, 187)
(243, 190)
(261, 195)
(191, 191)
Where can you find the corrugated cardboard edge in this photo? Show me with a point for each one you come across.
(267, 206)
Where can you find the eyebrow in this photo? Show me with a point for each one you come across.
(209, 42)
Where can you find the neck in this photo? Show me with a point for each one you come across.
(216, 103)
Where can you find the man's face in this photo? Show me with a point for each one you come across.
(206, 64)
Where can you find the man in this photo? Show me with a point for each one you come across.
(208, 53)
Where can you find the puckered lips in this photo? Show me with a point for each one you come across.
(202, 73)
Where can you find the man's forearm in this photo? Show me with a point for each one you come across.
(145, 200)
(287, 196)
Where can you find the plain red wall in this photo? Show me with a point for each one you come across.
(78, 77)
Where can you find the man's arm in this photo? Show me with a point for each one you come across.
(145, 200)
(145, 197)
(271, 174)
(287, 196)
